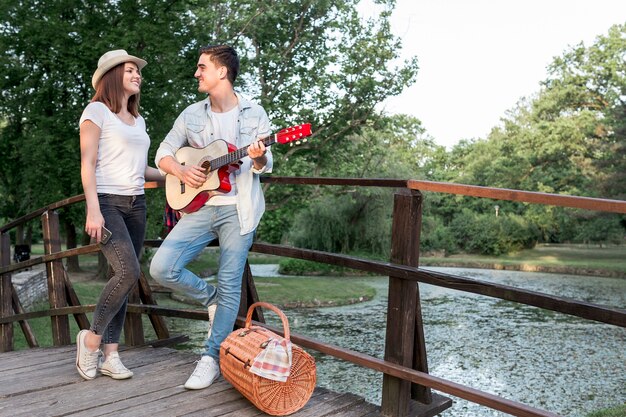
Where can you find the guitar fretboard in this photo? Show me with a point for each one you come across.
(231, 157)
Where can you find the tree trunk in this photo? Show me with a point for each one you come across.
(29, 235)
(19, 234)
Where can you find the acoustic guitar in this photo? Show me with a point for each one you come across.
(219, 159)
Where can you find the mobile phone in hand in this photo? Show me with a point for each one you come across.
(105, 235)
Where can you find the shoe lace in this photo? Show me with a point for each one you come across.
(90, 359)
(116, 363)
(201, 368)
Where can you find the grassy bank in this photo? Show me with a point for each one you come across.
(564, 259)
(594, 260)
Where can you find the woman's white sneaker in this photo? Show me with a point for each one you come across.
(207, 370)
(86, 361)
(114, 367)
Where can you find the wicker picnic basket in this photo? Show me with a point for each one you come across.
(237, 352)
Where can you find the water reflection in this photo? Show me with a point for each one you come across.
(549, 360)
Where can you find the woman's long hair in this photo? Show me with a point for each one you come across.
(110, 91)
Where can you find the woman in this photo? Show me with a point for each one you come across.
(114, 150)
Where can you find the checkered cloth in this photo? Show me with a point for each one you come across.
(170, 217)
(273, 362)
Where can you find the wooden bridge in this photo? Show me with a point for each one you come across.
(42, 381)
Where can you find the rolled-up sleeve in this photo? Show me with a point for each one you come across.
(264, 131)
(174, 140)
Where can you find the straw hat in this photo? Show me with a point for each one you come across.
(110, 60)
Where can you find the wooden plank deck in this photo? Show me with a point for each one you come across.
(44, 382)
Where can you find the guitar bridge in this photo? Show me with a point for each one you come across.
(182, 185)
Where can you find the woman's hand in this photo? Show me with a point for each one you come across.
(93, 224)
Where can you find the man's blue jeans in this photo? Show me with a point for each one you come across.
(191, 234)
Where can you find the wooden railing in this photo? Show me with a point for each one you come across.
(406, 382)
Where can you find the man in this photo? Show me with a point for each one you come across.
(231, 217)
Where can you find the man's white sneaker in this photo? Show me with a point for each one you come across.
(114, 367)
(207, 370)
(86, 361)
(211, 310)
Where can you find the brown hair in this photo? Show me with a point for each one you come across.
(223, 55)
(110, 90)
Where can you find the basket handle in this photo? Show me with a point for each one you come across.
(272, 307)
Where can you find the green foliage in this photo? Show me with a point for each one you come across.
(349, 221)
(51, 50)
(313, 291)
(436, 237)
(603, 228)
(488, 234)
(358, 219)
(619, 411)
(570, 139)
(316, 62)
(588, 84)
(291, 266)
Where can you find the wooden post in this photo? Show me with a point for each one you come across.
(6, 295)
(158, 322)
(133, 326)
(249, 296)
(404, 342)
(401, 310)
(72, 297)
(31, 339)
(56, 278)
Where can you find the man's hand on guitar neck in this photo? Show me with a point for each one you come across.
(256, 152)
(192, 175)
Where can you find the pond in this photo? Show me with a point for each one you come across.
(548, 360)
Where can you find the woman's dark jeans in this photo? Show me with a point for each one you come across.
(125, 217)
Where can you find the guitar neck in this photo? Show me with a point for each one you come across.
(240, 153)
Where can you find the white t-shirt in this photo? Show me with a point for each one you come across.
(225, 128)
(122, 151)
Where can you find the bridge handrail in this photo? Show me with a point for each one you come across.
(396, 271)
(560, 200)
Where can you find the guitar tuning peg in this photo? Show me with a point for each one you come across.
(290, 143)
(304, 140)
(297, 142)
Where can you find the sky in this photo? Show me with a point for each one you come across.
(478, 58)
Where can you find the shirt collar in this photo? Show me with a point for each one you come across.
(242, 102)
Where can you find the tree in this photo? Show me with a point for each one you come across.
(358, 219)
(588, 84)
(311, 61)
(51, 48)
(566, 139)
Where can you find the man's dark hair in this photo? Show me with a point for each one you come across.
(223, 55)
